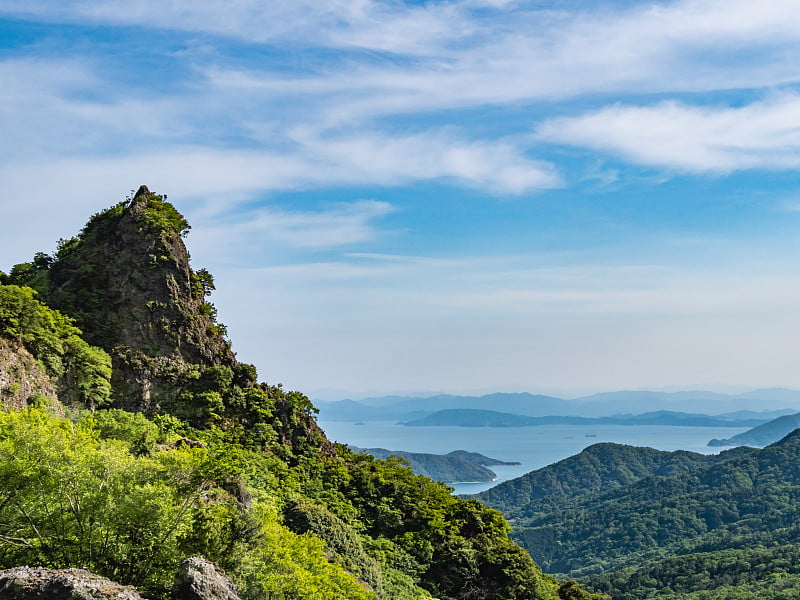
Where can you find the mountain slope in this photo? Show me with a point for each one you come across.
(750, 493)
(764, 434)
(597, 469)
(733, 574)
(178, 450)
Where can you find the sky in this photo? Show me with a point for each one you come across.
(466, 196)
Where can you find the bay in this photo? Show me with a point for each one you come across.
(534, 447)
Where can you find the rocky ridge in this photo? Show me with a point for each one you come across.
(127, 281)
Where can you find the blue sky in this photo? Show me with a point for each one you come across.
(463, 196)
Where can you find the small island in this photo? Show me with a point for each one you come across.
(458, 466)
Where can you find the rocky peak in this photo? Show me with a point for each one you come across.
(127, 281)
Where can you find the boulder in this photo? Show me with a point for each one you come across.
(36, 583)
(200, 579)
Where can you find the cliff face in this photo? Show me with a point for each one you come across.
(21, 377)
(126, 280)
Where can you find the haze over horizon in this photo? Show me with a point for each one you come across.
(456, 196)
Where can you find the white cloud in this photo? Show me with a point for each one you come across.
(441, 56)
(761, 135)
(250, 236)
(312, 162)
(449, 54)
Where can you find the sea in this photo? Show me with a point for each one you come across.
(534, 447)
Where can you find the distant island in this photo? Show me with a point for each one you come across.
(762, 435)
(458, 466)
(467, 417)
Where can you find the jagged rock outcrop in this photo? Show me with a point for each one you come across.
(127, 281)
(200, 579)
(35, 583)
(22, 377)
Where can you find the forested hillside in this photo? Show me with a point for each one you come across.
(598, 469)
(638, 523)
(133, 438)
(454, 467)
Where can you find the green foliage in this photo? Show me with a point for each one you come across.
(139, 433)
(34, 274)
(287, 566)
(88, 372)
(82, 372)
(753, 572)
(160, 215)
(202, 283)
(76, 495)
(302, 516)
(456, 548)
(68, 498)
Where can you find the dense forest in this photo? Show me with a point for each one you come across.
(133, 438)
(639, 523)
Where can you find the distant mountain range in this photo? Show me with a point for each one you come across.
(761, 405)
(458, 466)
(467, 417)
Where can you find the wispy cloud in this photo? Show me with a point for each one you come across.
(763, 134)
(313, 162)
(267, 231)
(453, 54)
(332, 123)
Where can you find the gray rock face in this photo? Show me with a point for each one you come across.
(21, 377)
(199, 579)
(35, 583)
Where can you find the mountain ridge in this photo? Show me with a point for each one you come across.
(171, 447)
(597, 405)
(467, 417)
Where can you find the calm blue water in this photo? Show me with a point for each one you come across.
(534, 447)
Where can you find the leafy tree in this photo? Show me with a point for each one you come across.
(287, 566)
(68, 498)
(82, 372)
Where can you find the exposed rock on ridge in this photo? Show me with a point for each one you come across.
(127, 281)
(199, 579)
(34, 583)
(21, 377)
